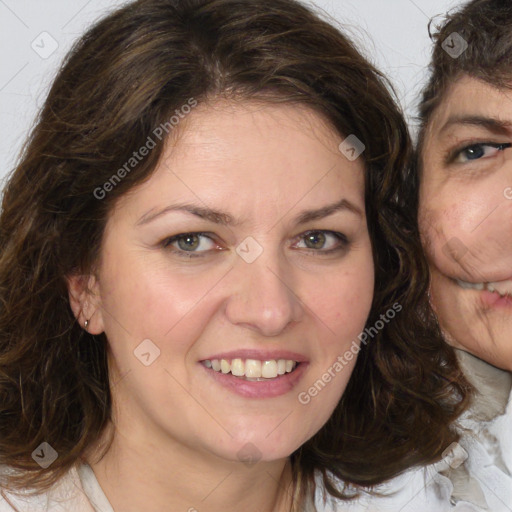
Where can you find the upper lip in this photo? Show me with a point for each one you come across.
(258, 354)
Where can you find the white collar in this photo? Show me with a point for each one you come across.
(493, 387)
(92, 489)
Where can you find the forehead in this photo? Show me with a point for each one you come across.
(254, 138)
(470, 99)
(237, 124)
(252, 158)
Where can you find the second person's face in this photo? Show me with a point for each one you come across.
(466, 217)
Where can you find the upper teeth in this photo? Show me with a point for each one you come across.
(501, 287)
(252, 368)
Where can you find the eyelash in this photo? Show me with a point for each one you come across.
(166, 243)
(456, 153)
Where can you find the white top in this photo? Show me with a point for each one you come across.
(78, 491)
(484, 478)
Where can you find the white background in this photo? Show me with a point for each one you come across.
(392, 33)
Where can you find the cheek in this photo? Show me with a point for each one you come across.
(464, 228)
(343, 301)
(144, 298)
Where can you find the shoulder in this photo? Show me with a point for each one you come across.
(475, 473)
(67, 494)
(407, 492)
(417, 490)
(485, 476)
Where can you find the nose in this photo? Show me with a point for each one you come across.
(263, 297)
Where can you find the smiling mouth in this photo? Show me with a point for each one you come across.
(502, 288)
(252, 369)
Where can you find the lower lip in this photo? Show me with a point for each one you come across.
(495, 300)
(259, 389)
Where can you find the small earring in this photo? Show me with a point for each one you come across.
(86, 323)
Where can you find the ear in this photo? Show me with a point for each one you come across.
(85, 302)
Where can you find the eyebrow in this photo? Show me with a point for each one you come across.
(222, 218)
(492, 124)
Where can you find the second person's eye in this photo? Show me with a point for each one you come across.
(479, 151)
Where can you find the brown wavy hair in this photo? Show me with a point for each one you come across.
(127, 75)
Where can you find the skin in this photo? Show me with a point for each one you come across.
(465, 216)
(178, 433)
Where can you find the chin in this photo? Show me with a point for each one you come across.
(268, 448)
(252, 452)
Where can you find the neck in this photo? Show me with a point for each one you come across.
(166, 475)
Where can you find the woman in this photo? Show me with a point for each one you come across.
(465, 214)
(210, 280)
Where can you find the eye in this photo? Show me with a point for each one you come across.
(323, 241)
(191, 245)
(478, 151)
(187, 244)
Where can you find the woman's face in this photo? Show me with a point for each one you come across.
(246, 249)
(466, 217)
